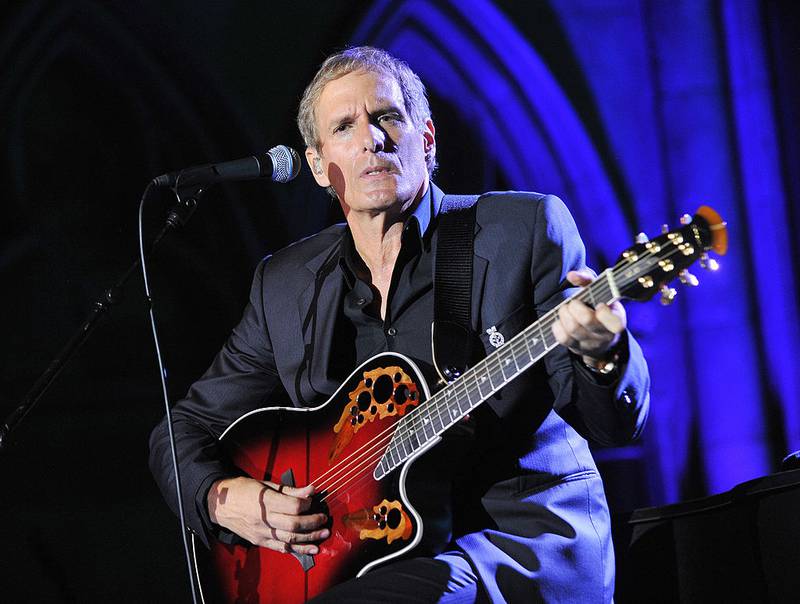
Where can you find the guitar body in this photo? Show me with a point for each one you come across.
(336, 447)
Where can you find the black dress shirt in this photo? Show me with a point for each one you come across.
(406, 327)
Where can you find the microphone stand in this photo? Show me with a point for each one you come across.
(178, 216)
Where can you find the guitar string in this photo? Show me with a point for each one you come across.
(402, 439)
(385, 432)
(333, 495)
(414, 418)
(380, 439)
(352, 482)
(491, 366)
(491, 369)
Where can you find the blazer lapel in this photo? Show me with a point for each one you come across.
(318, 307)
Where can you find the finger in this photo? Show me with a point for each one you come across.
(305, 549)
(559, 332)
(582, 326)
(284, 503)
(568, 321)
(301, 524)
(299, 492)
(581, 277)
(295, 538)
(610, 321)
(580, 313)
(285, 548)
(572, 339)
(599, 324)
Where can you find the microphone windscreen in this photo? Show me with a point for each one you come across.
(285, 163)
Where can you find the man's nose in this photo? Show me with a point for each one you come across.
(374, 138)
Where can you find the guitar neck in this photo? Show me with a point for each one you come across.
(459, 398)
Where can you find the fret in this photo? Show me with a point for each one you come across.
(481, 381)
(528, 343)
(413, 439)
(427, 428)
(612, 285)
(505, 360)
(452, 414)
(590, 292)
(496, 378)
(518, 348)
(491, 377)
(452, 400)
(402, 443)
(436, 420)
(462, 404)
(452, 397)
(541, 335)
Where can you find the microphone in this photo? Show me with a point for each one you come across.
(280, 163)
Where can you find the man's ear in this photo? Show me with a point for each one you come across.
(429, 136)
(317, 169)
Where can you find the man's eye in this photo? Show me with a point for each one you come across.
(391, 117)
(341, 128)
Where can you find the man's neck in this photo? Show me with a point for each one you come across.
(378, 235)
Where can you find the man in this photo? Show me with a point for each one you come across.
(525, 514)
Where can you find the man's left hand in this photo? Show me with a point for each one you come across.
(590, 333)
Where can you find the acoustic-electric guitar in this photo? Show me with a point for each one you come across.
(358, 448)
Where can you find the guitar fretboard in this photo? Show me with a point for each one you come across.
(449, 405)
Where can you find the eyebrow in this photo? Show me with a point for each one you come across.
(384, 106)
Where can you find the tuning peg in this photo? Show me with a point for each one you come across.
(642, 238)
(667, 295)
(686, 219)
(688, 278)
(708, 263)
(665, 228)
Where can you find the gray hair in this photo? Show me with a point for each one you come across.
(364, 58)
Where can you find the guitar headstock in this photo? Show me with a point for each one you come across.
(649, 265)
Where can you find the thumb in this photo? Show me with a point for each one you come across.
(580, 278)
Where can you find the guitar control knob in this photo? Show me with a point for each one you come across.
(642, 238)
(688, 278)
(708, 263)
(668, 295)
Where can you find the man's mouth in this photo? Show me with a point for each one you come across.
(377, 170)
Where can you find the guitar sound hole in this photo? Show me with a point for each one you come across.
(364, 400)
(393, 518)
(401, 394)
(383, 389)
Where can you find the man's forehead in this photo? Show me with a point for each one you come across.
(356, 86)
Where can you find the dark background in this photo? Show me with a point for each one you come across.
(641, 97)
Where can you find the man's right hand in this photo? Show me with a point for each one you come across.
(267, 514)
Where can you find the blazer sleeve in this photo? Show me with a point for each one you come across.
(241, 378)
(607, 411)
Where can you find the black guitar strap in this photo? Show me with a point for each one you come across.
(453, 338)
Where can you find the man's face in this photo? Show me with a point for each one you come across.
(370, 151)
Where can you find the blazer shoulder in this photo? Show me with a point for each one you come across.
(311, 250)
(526, 206)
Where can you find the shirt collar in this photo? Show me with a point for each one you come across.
(428, 208)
